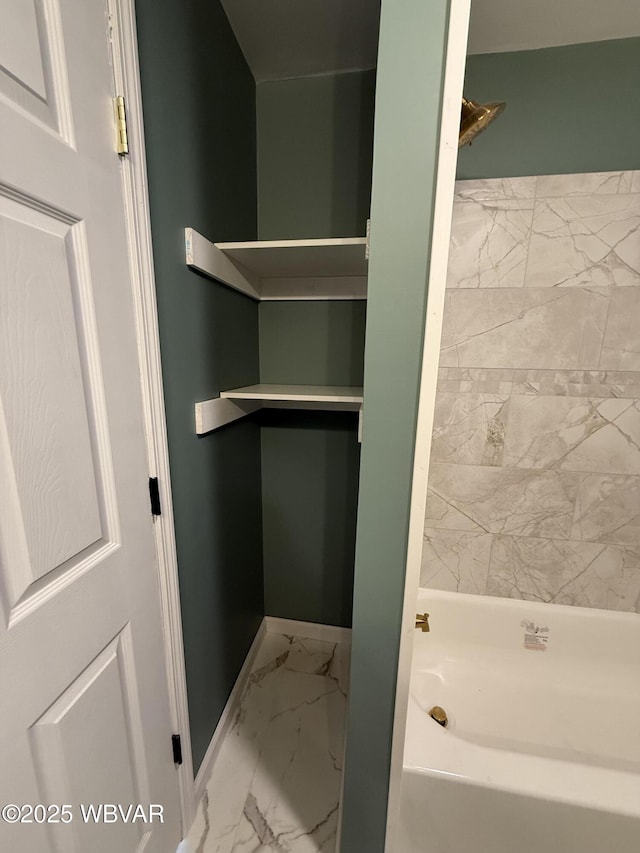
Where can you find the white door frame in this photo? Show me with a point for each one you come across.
(454, 68)
(138, 224)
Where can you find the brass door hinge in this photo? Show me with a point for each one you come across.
(120, 110)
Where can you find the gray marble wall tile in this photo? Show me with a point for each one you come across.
(548, 186)
(587, 183)
(600, 436)
(502, 500)
(621, 346)
(443, 512)
(607, 509)
(565, 572)
(489, 241)
(496, 188)
(585, 240)
(565, 383)
(469, 428)
(455, 561)
(534, 489)
(525, 328)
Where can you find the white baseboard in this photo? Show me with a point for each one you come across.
(227, 716)
(311, 630)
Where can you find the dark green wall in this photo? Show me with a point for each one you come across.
(310, 461)
(310, 465)
(312, 343)
(199, 113)
(408, 98)
(315, 138)
(569, 109)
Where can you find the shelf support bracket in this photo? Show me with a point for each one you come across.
(213, 414)
(202, 255)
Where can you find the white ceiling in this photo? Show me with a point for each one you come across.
(298, 38)
(501, 25)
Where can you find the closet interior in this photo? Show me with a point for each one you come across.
(260, 250)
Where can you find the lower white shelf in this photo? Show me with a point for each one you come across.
(343, 395)
(240, 402)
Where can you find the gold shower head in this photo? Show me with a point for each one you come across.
(475, 117)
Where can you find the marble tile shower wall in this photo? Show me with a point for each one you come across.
(534, 488)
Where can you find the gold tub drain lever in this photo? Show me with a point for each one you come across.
(439, 715)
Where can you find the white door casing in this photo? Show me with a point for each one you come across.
(126, 70)
(84, 712)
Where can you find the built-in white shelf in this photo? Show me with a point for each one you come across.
(299, 258)
(239, 402)
(339, 395)
(284, 269)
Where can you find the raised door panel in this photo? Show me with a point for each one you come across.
(58, 492)
(87, 751)
(20, 54)
(32, 63)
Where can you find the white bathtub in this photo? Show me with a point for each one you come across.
(542, 750)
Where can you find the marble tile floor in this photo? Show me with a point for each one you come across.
(275, 784)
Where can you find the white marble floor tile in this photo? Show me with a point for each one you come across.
(276, 780)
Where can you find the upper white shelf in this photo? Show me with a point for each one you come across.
(284, 269)
(300, 258)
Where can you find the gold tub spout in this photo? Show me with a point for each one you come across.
(422, 622)
(439, 715)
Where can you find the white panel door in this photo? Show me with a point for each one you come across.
(84, 712)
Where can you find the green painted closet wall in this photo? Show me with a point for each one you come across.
(408, 103)
(199, 114)
(310, 461)
(310, 465)
(569, 109)
(315, 140)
